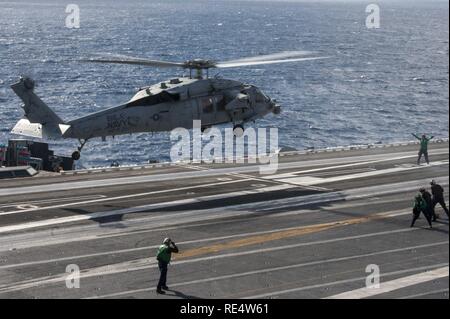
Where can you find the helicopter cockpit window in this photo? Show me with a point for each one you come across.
(261, 97)
(162, 97)
(207, 105)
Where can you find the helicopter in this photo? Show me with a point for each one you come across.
(163, 106)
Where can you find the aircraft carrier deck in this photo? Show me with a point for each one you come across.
(308, 231)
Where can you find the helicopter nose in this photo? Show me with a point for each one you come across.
(276, 108)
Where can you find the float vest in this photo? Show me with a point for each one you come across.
(420, 203)
(164, 254)
(424, 144)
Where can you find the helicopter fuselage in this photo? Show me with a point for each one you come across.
(176, 103)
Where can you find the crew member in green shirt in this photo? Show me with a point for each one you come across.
(163, 256)
(423, 147)
(420, 206)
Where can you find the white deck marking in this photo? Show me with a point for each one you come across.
(53, 200)
(395, 284)
(275, 269)
(244, 176)
(210, 173)
(310, 180)
(426, 294)
(108, 199)
(137, 209)
(321, 169)
(352, 164)
(340, 282)
(346, 171)
(302, 180)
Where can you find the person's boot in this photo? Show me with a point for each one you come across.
(160, 291)
(165, 287)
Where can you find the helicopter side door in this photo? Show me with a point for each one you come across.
(207, 109)
(221, 113)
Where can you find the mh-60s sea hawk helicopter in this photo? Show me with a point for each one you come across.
(160, 107)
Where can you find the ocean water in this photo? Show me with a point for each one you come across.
(379, 86)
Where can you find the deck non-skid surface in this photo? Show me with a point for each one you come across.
(314, 229)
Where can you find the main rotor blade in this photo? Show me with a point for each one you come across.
(274, 56)
(134, 61)
(223, 65)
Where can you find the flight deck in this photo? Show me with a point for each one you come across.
(317, 228)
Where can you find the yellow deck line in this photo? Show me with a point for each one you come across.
(259, 239)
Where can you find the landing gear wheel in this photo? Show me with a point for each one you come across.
(238, 130)
(76, 155)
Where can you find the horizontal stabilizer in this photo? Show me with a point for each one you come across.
(47, 131)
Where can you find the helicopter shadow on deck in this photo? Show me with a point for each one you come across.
(328, 206)
(256, 198)
(114, 221)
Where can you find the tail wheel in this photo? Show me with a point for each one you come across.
(76, 155)
(238, 130)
